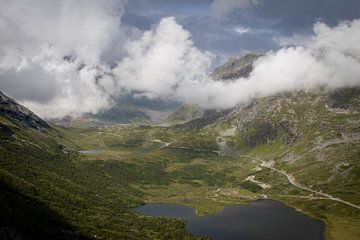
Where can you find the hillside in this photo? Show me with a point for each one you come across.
(236, 67)
(126, 110)
(210, 162)
(49, 191)
(299, 148)
(20, 114)
(313, 139)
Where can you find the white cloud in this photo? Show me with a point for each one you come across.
(294, 40)
(241, 30)
(161, 60)
(57, 53)
(330, 60)
(57, 38)
(165, 62)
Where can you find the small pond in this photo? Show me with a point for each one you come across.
(89, 151)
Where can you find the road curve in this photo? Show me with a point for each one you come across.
(292, 180)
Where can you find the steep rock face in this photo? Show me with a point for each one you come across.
(20, 114)
(236, 67)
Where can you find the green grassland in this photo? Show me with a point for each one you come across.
(86, 182)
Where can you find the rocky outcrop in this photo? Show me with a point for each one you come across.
(236, 67)
(20, 114)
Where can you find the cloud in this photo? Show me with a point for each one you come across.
(294, 40)
(241, 30)
(331, 60)
(162, 59)
(222, 8)
(63, 46)
(72, 57)
(165, 62)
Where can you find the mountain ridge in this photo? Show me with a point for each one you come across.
(20, 114)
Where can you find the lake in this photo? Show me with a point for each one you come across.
(259, 220)
(89, 151)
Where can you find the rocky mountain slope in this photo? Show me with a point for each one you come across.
(311, 138)
(236, 67)
(20, 114)
(306, 147)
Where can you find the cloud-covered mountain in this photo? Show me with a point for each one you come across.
(69, 58)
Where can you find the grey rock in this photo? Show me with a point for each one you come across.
(20, 114)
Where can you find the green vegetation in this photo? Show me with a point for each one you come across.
(94, 197)
(185, 113)
(85, 183)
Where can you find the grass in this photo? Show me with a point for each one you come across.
(95, 194)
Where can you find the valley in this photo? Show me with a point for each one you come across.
(95, 177)
(179, 120)
(300, 148)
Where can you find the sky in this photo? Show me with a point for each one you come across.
(233, 27)
(69, 57)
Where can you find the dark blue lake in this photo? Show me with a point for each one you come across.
(259, 220)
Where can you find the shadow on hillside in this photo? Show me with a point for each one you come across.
(23, 217)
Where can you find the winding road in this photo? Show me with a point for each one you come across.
(264, 164)
(292, 180)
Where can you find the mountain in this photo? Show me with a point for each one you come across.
(127, 109)
(301, 148)
(20, 114)
(49, 190)
(236, 67)
(305, 147)
(28, 145)
(185, 113)
(140, 110)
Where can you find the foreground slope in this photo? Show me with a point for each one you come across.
(49, 191)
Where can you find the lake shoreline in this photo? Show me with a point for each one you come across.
(212, 226)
